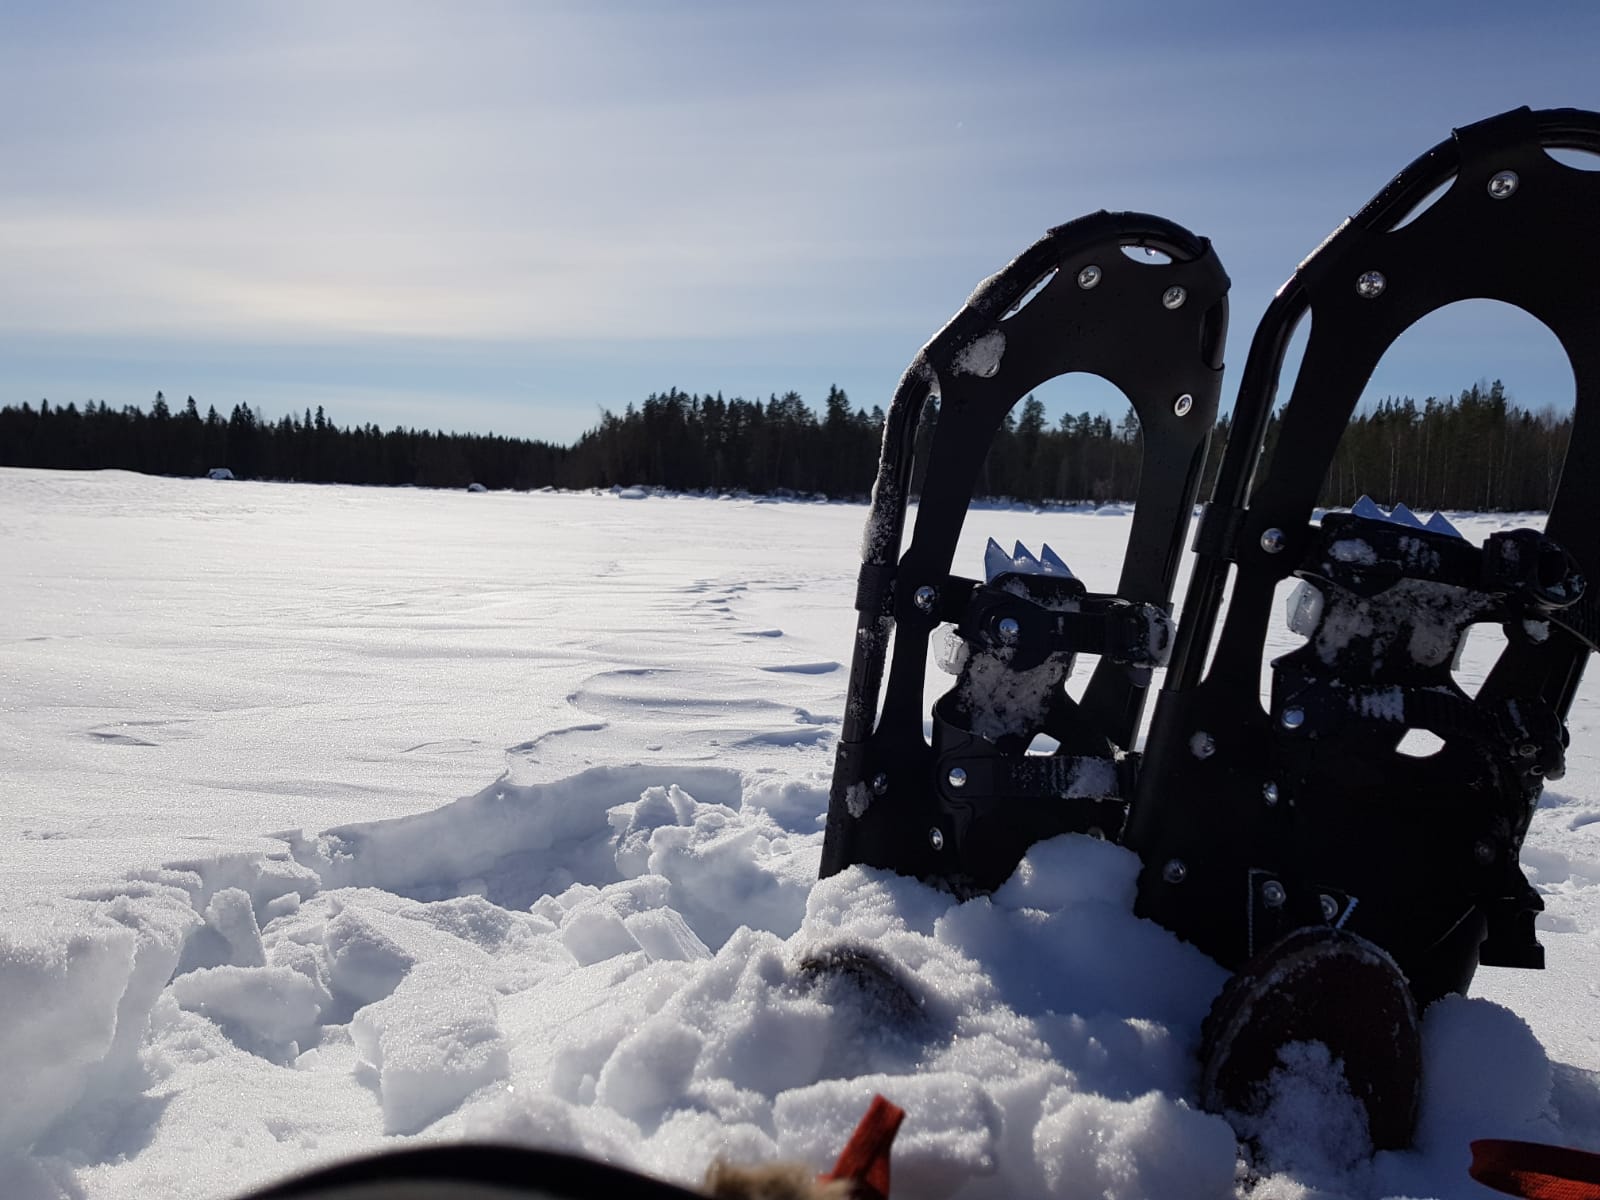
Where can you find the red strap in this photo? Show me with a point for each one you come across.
(865, 1158)
(1535, 1171)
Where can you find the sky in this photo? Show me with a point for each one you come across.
(510, 217)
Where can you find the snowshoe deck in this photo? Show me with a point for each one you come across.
(964, 809)
(1254, 820)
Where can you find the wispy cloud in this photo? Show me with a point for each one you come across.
(734, 177)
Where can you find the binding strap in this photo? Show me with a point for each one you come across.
(1536, 1171)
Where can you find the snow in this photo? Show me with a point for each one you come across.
(249, 927)
(982, 355)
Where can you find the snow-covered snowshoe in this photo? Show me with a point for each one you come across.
(964, 809)
(1256, 820)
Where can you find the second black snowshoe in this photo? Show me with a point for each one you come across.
(964, 809)
(1254, 820)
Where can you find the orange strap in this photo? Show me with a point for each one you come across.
(865, 1158)
(1535, 1171)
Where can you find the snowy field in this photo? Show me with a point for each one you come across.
(248, 927)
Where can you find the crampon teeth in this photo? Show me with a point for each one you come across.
(1403, 516)
(1052, 562)
(997, 562)
(1023, 561)
(1438, 524)
(1368, 508)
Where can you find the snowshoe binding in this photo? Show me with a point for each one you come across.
(962, 810)
(1262, 824)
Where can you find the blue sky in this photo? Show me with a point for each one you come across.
(483, 216)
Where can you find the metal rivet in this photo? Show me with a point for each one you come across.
(1269, 793)
(880, 783)
(1370, 285)
(1273, 541)
(1174, 297)
(1183, 404)
(1527, 749)
(1007, 630)
(1089, 277)
(957, 777)
(1293, 718)
(1272, 894)
(936, 838)
(924, 598)
(1202, 745)
(1503, 185)
(1175, 871)
(1536, 769)
(1483, 852)
(1096, 833)
(1329, 906)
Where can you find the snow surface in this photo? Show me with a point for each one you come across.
(246, 930)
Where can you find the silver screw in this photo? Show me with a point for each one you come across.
(1273, 541)
(957, 777)
(1272, 894)
(1329, 906)
(1175, 871)
(1269, 793)
(924, 598)
(1202, 745)
(936, 838)
(1293, 718)
(1370, 285)
(1503, 185)
(1483, 852)
(1183, 404)
(1174, 297)
(1008, 630)
(880, 783)
(1089, 277)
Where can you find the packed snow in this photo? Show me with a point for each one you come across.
(248, 929)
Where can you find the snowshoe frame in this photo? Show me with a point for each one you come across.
(1073, 302)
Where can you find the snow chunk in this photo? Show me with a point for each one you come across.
(1383, 704)
(433, 1043)
(266, 1010)
(1071, 869)
(364, 962)
(1352, 550)
(649, 1069)
(1312, 1126)
(1487, 1075)
(78, 981)
(982, 355)
(1093, 1148)
(857, 799)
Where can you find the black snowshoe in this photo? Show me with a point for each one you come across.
(964, 810)
(1253, 822)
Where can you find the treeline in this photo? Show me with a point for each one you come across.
(308, 448)
(1475, 450)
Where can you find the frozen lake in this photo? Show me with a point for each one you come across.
(190, 667)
